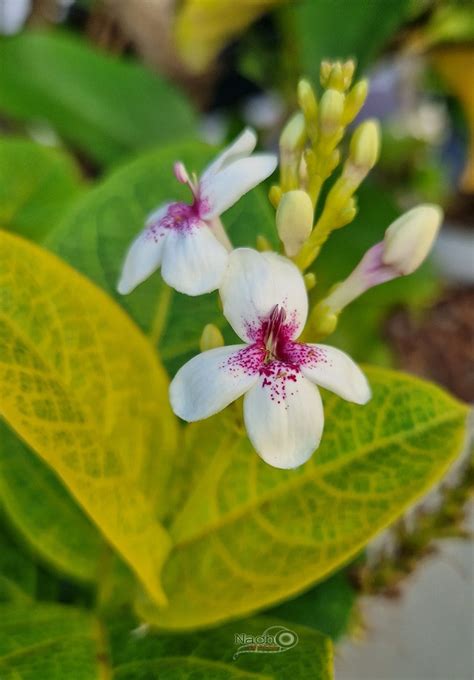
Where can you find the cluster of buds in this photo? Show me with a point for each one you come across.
(309, 155)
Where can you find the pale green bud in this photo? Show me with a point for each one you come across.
(409, 239)
(355, 99)
(325, 72)
(293, 137)
(263, 244)
(348, 69)
(322, 321)
(275, 195)
(336, 78)
(365, 145)
(307, 99)
(331, 110)
(309, 280)
(347, 214)
(294, 220)
(211, 338)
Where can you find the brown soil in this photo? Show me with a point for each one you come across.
(439, 345)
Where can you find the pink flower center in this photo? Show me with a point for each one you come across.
(275, 356)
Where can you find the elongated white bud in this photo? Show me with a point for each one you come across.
(294, 220)
(409, 239)
(407, 243)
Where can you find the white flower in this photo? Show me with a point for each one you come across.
(265, 301)
(188, 241)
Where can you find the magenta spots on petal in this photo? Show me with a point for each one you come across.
(179, 217)
(275, 356)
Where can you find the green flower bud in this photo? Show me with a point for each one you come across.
(307, 99)
(275, 195)
(365, 145)
(211, 338)
(294, 220)
(355, 99)
(331, 110)
(309, 281)
(293, 137)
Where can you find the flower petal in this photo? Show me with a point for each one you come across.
(254, 283)
(194, 261)
(145, 254)
(211, 381)
(284, 419)
(219, 191)
(241, 147)
(335, 370)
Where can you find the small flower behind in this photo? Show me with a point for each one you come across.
(188, 240)
(265, 301)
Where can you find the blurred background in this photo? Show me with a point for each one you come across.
(86, 85)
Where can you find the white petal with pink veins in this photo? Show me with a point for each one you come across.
(193, 260)
(220, 191)
(254, 283)
(284, 419)
(145, 254)
(335, 370)
(211, 381)
(240, 148)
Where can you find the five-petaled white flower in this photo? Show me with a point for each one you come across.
(187, 240)
(265, 301)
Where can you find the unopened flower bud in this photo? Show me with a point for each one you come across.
(263, 244)
(347, 214)
(348, 69)
(336, 79)
(181, 173)
(211, 338)
(294, 220)
(307, 99)
(331, 110)
(355, 99)
(325, 72)
(410, 238)
(322, 321)
(309, 281)
(293, 136)
(365, 146)
(275, 195)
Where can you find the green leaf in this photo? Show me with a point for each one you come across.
(17, 572)
(210, 655)
(83, 387)
(56, 528)
(359, 331)
(343, 30)
(95, 237)
(57, 643)
(327, 607)
(50, 642)
(104, 106)
(247, 536)
(37, 185)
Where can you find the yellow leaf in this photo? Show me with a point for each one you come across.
(82, 386)
(203, 27)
